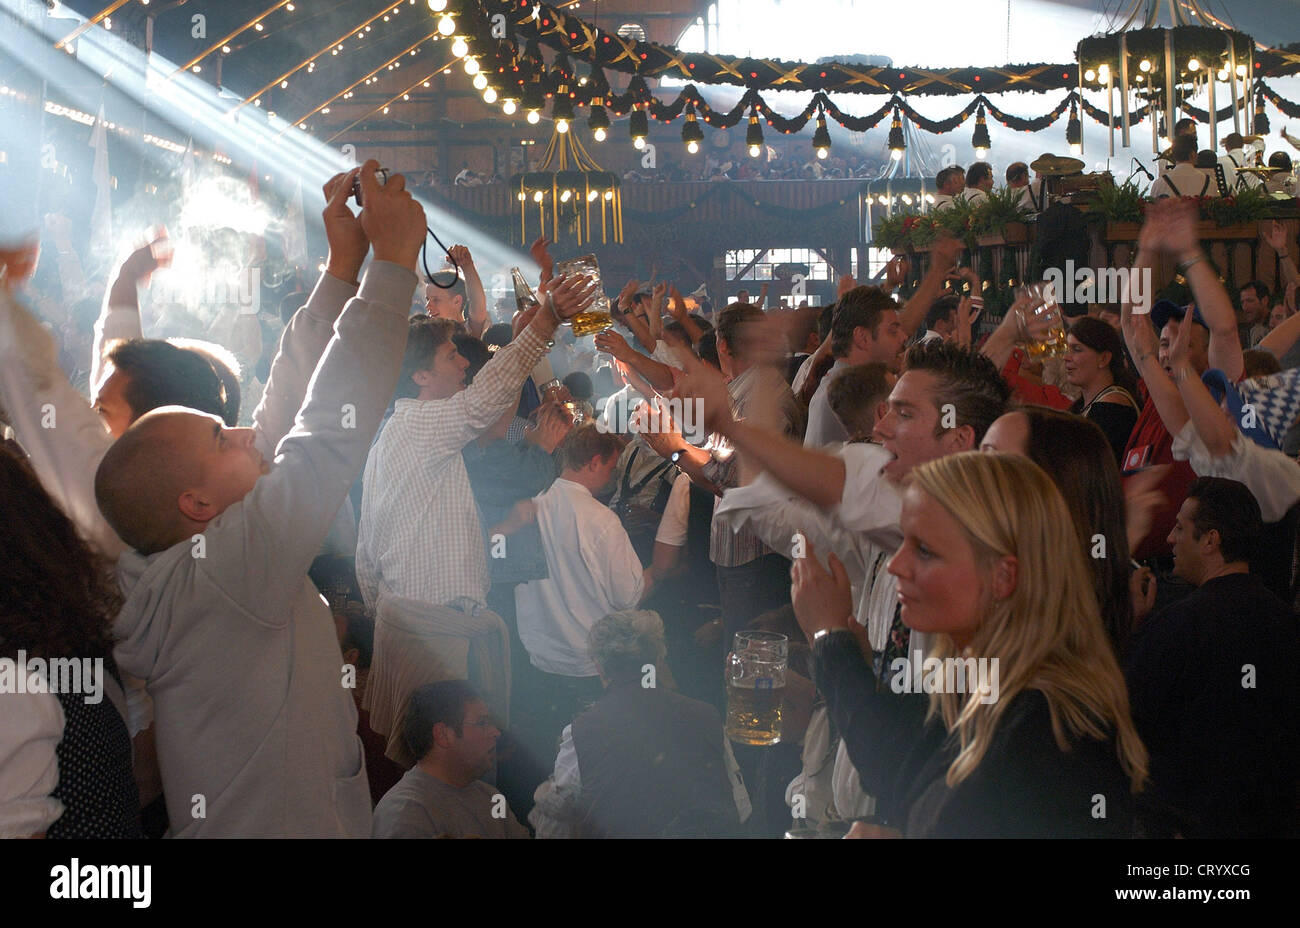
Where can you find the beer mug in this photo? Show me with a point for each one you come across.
(1047, 320)
(596, 318)
(756, 687)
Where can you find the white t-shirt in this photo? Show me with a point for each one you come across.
(594, 570)
(673, 523)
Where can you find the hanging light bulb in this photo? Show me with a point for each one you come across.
(1103, 72)
(538, 196)
(1241, 70)
(1193, 64)
(1074, 131)
(508, 106)
(480, 80)
(980, 140)
(437, 5)
(639, 128)
(562, 109)
(754, 134)
(489, 95)
(471, 66)
(692, 134)
(821, 137)
(566, 196)
(1090, 75)
(446, 25)
(897, 144)
(1144, 65)
(533, 100)
(598, 121)
(459, 47)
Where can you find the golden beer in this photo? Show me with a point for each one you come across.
(590, 322)
(754, 712)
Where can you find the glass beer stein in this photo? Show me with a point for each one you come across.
(595, 318)
(755, 674)
(1044, 337)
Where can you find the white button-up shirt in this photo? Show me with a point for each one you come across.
(594, 571)
(420, 531)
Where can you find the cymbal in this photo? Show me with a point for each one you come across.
(1056, 166)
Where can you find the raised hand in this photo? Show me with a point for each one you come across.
(896, 271)
(945, 252)
(391, 219)
(567, 296)
(347, 239)
(654, 423)
(614, 345)
(676, 304)
(706, 385)
(1169, 226)
(552, 425)
(19, 262)
(1276, 236)
(149, 257)
(846, 284)
(823, 599)
(540, 254)
(464, 260)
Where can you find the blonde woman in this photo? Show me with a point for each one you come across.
(1029, 733)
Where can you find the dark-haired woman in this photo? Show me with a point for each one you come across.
(1095, 363)
(65, 757)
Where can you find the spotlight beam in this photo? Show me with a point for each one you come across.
(220, 42)
(302, 64)
(364, 77)
(391, 100)
(137, 80)
(93, 21)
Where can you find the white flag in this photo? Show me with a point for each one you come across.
(295, 231)
(101, 220)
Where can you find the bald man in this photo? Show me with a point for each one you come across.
(255, 733)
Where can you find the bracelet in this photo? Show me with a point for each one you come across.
(1181, 374)
(1184, 265)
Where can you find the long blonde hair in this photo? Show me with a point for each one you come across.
(1048, 634)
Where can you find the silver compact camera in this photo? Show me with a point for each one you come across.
(381, 178)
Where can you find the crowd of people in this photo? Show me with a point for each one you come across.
(464, 576)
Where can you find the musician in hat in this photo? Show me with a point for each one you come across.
(1233, 160)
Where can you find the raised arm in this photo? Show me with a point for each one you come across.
(1214, 427)
(1144, 348)
(476, 315)
(312, 327)
(64, 437)
(942, 258)
(1170, 226)
(1278, 240)
(655, 373)
(119, 316)
(677, 306)
(258, 548)
(811, 473)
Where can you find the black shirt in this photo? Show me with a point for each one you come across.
(1212, 683)
(1024, 787)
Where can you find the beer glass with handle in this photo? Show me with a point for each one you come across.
(756, 687)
